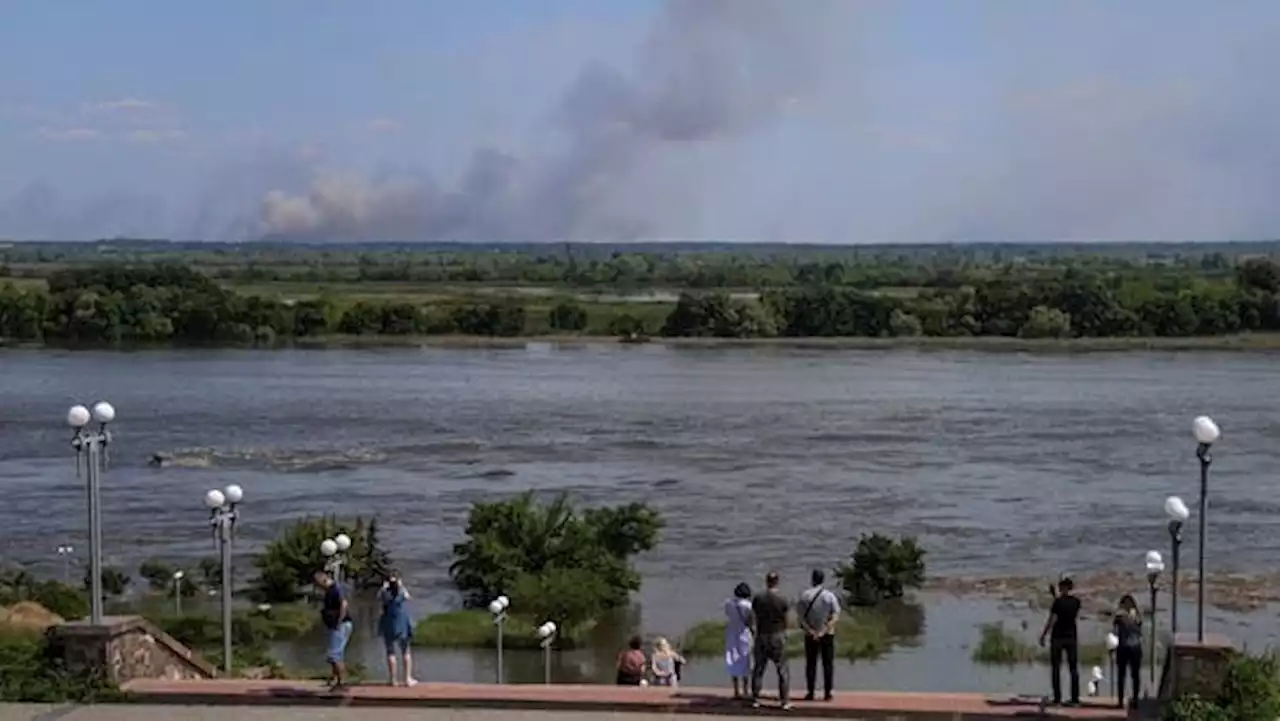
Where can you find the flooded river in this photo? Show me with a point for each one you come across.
(1000, 463)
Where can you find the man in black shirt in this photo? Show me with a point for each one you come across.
(1060, 628)
(770, 611)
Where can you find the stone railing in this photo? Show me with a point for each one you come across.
(124, 648)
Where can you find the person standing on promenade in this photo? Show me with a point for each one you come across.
(818, 612)
(1127, 626)
(396, 628)
(738, 638)
(336, 615)
(1060, 629)
(770, 610)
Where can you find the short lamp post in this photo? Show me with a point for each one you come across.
(91, 444)
(1095, 680)
(334, 551)
(66, 552)
(1113, 642)
(177, 592)
(547, 632)
(1206, 433)
(498, 607)
(1155, 567)
(223, 515)
(1178, 515)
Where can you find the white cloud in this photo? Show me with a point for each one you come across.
(120, 105)
(69, 134)
(157, 136)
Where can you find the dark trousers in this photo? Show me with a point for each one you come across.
(824, 647)
(771, 649)
(1060, 648)
(1129, 659)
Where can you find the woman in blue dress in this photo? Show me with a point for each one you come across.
(738, 639)
(396, 628)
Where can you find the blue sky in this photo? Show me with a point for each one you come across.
(814, 120)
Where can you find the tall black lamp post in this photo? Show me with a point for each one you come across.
(1206, 433)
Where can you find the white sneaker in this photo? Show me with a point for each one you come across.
(411, 682)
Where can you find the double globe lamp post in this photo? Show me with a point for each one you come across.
(90, 444)
(547, 632)
(334, 551)
(223, 515)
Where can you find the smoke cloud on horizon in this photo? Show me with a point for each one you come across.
(748, 119)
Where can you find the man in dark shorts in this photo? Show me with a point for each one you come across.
(1060, 629)
(337, 619)
(770, 610)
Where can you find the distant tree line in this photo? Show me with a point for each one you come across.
(627, 267)
(1074, 304)
(175, 303)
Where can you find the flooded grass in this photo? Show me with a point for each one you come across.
(861, 634)
(472, 629)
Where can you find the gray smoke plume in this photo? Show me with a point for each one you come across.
(709, 70)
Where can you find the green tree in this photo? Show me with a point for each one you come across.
(114, 581)
(1045, 322)
(287, 565)
(881, 568)
(568, 315)
(583, 559)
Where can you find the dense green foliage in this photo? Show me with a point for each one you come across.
(554, 561)
(880, 569)
(287, 565)
(1250, 692)
(245, 295)
(32, 671)
(66, 601)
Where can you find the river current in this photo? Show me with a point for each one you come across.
(758, 457)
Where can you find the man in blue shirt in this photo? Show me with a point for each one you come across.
(337, 619)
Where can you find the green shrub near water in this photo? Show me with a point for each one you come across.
(881, 568)
(564, 564)
(997, 646)
(287, 565)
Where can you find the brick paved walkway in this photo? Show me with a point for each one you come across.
(26, 712)
(566, 698)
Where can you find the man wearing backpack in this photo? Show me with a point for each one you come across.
(818, 612)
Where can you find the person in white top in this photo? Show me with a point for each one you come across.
(818, 611)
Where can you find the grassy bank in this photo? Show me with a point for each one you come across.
(473, 629)
(999, 646)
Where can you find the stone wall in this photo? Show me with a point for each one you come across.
(1198, 667)
(124, 648)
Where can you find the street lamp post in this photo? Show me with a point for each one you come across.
(1206, 433)
(1155, 567)
(1178, 515)
(547, 632)
(1113, 642)
(335, 552)
(222, 517)
(177, 592)
(65, 552)
(498, 607)
(92, 445)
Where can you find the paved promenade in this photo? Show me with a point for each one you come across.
(591, 702)
(24, 712)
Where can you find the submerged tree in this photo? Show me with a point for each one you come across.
(560, 563)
